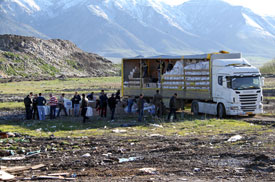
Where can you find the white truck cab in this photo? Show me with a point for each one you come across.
(236, 86)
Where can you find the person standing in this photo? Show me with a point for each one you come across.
(53, 103)
(41, 101)
(130, 104)
(140, 105)
(118, 95)
(90, 96)
(103, 104)
(157, 100)
(28, 102)
(75, 101)
(112, 104)
(173, 107)
(34, 107)
(61, 105)
(144, 69)
(84, 105)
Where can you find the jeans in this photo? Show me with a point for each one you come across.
(52, 112)
(130, 103)
(41, 112)
(76, 109)
(140, 115)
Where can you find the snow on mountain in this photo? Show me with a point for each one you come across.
(119, 28)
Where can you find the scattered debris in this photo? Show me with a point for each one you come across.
(156, 135)
(149, 170)
(13, 158)
(235, 138)
(119, 131)
(156, 125)
(86, 155)
(196, 169)
(6, 176)
(121, 160)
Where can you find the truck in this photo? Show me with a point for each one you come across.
(217, 83)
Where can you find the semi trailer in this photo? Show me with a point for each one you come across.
(218, 83)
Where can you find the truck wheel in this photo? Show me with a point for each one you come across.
(195, 108)
(251, 115)
(221, 111)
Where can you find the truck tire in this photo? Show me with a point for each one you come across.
(221, 111)
(195, 108)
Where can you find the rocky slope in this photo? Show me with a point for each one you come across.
(23, 56)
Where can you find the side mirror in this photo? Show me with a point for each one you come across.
(224, 82)
(262, 81)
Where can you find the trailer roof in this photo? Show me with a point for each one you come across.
(197, 56)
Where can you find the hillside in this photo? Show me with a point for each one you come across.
(23, 56)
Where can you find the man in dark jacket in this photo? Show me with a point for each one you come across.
(34, 107)
(157, 100)
(140, 105)
(118, 95)
(84, 105)
(112, 104)
(103, 104)
(28, 102)
(75, 101)
(173, 107)
(90, 96)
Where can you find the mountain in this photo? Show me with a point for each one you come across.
(123, 28)
(23, 56)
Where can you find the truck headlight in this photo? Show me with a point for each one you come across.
(234, 108)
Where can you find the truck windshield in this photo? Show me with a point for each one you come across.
(245, 83)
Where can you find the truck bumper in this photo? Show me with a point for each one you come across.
(242, 113)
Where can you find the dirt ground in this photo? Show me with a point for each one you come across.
(151, 158)
(169, 158)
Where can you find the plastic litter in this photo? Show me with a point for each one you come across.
(235, 138)
(156, 125)
(121, 160)
(119, 131)
(86, 155)
(149, 170)
(6, 176)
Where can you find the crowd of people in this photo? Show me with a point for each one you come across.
(35, 105)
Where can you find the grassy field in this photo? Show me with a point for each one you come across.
(11, 105)
(269, 83)
(73, 127)
(69, 86)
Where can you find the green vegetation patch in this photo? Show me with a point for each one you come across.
(74, 127)
(47, 68)
(268, 68)
(72, 63)
(69, 85)
(12, 105)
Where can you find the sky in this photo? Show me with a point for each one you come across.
(262, 7)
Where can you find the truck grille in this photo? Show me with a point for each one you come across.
(248, 102)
